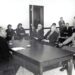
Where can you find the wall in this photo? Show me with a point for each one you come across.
(17, 11)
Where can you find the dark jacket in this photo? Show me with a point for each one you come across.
(61, 25)
(52, 38)
(66, 32)
(19, 31)
(10, 34)
(38, 34)
(4, 50)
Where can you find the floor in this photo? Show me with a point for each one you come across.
(23, 71)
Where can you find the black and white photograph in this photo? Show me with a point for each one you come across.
(37, 37)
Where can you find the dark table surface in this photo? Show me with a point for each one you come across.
(40, 52)
(38, 57)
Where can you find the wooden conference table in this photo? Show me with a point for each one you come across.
(39, 58)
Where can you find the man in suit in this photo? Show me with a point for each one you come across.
(72, 38)
(52, 35)
(66, 32)
(38, 34)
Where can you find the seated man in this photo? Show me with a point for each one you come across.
(66, 32)
(38, 34)
(20, 31)
(72, 38)
(52, 35)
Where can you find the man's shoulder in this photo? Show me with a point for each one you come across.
(2, 40)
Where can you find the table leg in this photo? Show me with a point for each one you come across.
(69, 67)
(41, 71)
(36, 74)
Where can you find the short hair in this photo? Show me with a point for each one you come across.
(19, 24)
(61, 17)
(53, 24)
(9, 25)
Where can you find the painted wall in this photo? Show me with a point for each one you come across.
(17, 11)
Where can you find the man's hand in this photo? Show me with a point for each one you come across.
(36, 38)
(60, 44)
(45, 40)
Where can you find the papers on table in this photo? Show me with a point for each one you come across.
(18, 48)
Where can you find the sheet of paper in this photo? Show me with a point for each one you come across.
(18, 48)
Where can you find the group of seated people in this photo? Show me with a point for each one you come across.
(18, 33)
(53, 36)
(65, 36)
(49, 38)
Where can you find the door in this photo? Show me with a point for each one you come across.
(36, 16)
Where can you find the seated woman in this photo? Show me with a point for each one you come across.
(38, 34)
(20, 31)
(10, 32)
(52, 35)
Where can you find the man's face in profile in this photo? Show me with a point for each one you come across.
(53, 27)
(3, 33)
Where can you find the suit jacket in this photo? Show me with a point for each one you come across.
(39, 34)
(53, 37)
(66, 32)
(4, 50)
(61, 25)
